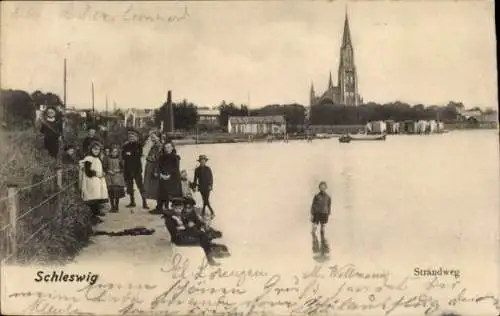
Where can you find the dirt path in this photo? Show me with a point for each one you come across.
(138, 249)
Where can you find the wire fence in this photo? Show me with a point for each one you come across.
(34, 218)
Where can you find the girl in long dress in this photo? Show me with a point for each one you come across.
(92, 181)
(169, 173)
(151, 176)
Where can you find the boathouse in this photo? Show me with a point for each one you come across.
(208, 117)
(257, 125)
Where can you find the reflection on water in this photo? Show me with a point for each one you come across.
(410, 197)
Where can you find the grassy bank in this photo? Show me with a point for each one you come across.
(52, 223)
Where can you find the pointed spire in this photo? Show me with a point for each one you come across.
(330, 82)
(312, 88)
(346, 37)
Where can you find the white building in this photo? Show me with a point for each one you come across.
(138, 118)
(257, 125)
(377, 127)
(208, 116)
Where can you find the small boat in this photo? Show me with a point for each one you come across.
(349, 138)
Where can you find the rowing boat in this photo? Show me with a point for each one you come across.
(349, 138)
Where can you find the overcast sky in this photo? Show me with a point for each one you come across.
(426, 52)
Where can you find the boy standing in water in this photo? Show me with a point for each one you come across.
(320, 212)
(203, 179)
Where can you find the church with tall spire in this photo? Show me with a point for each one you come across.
(346, 91)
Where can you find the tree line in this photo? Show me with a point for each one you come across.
(17, 107)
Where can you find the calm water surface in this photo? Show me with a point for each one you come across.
(422, 200)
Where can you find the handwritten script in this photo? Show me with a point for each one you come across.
(204, 290)
(85, 11)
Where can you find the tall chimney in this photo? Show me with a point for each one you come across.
(169, 114)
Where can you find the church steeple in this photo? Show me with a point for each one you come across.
(312, 95)
(346, 37)
(330, 82)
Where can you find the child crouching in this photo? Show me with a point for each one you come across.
(92, 181)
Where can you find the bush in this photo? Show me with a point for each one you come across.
(55, 224)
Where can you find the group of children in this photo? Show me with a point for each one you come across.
(109, 173)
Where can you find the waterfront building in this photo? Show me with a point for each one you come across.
(257, 125)
(208, 117)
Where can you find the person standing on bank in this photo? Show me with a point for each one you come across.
(90, 138)
(114, 178)
(151, 177)
(52, 130)
(203, 180)
(169, 174)
(93, 184)
(132, 163)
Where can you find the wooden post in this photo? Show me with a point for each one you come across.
(59, 178)
(13, 210)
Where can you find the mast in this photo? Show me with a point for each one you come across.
(65, 83)
(93, 104)
(107, 118)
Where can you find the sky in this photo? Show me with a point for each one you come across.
(247, 52)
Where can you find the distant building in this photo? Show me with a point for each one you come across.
(346, 91)
(478, 119)
(208, 117)
(257, 125)
(138, 118)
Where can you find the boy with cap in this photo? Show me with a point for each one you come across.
(185, 232)
(203, 179)
(320, 212)
(132, 161)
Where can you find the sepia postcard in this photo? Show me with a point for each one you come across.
(241, 158)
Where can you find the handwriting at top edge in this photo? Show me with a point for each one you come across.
(130, 14)
(86, 12)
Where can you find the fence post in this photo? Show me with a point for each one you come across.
(59, 177)
(13, 210)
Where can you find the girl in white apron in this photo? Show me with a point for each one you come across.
(92, 181)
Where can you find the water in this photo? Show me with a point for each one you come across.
(414, 199)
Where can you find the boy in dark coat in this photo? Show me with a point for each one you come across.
(203, 179)
(132, 161)
(320, 212)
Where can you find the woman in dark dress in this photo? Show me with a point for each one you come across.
(169, 174)
(151, 177)
(52, 130)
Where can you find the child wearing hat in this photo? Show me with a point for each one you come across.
(132, 163)
(183, 231)
(93, 184)
(203, 180)
(320, 212)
